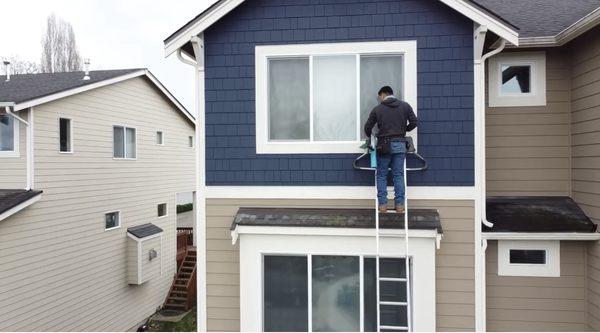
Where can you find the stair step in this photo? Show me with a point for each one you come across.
(175, 306)
(172, 298)
(178, 294)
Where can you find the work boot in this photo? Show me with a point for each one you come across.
(400, 209)
(382, 209)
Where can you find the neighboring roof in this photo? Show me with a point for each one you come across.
(12, 201)
(144, 230)
(26, 90)
(537, 215)
(181, 37)
(547, 21)
(422, 219)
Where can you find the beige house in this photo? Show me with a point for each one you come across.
(90, 169)
(502, 224)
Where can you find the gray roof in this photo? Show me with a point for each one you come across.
(540, 18)
(427, 219)
(537, 214)
(26, 87)
(144, 230)
(12, 198)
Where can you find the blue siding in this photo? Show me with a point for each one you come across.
(445, 87)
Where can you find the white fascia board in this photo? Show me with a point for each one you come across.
(337, 192)
(144, 238)
(574, 236)
(210, 17)
(5, 104)
(20, 207)
(476, 15)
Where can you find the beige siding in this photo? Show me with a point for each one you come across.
(61, 271)
(454, 262)
(538, 303)
(585, 131)
(13, 170)
(528, 150)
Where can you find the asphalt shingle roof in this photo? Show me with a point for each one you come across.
(144, 230)
(26, 87)
(540, 18)
(537, 214)
(12, 198)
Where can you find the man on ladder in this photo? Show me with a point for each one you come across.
(394, 118)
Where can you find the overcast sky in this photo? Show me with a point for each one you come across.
(112, 33)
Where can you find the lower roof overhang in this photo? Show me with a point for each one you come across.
(13, 201)
(566, 236)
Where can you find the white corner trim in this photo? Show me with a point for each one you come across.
(20, 207)
(537, 64)
(337, 192)
(571, 236)
(551, 268)
(408, 50)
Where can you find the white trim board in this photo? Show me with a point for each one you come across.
(223, 7)
(337, 192)
(20, 207)
(573, 236)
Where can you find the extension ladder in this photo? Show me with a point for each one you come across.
(371, 152)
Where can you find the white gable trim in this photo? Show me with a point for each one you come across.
(223, 7)
(70, 92)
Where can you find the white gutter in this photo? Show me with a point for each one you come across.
(200, 197)
(571, 236)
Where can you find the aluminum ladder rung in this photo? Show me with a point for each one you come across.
(388, 279)
(393, 303)
(393, 328)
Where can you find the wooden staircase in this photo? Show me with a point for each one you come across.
(182, 295)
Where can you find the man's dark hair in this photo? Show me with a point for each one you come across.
(386, 90)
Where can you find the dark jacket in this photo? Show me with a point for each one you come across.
(391, 117)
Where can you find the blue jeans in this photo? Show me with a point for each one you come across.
(396, 160)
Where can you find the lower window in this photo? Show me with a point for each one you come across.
(528, 258)
(335, 293)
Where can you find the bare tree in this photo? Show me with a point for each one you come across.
(59, 48)
(20, 66)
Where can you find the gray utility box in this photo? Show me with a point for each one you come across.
(144, 253)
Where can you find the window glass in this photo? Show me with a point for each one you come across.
(162, 209)
(118, 142)
(285, 294)
(112, 220)
(377, 71)
(130, 149)
(335, 294)
(516, 79)
(390, 291)
(159, 138)
(334, 98)
(528, 257)
(65, 134)
(7, 134)
(289, 99)
(191, 141)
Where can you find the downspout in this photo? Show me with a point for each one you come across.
(200, 197)
(29, 124)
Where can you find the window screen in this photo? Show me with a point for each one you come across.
(65, 134)
(516, 79)
(7, 134)
(528, 257)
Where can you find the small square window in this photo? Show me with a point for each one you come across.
(517, 79)
(162, 210)
(528, 258)
(159, 138)
(191, 141)
(65, 141)
(112, 220)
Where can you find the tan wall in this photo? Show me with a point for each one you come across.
(585, 129)
(61, 271)
(528, 149)
(538, 303)
(13, 170)
(454, 261)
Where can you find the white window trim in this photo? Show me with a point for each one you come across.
(537, 94)
(166, 210)
(550, 269)
(120, 220)
(162, 138)
(263, 146)
(16, 139)
(125, 127)
(254, 246)
(70, 136)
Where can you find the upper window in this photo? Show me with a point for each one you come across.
(162, 210)
(191, 141)
(65, 133)
(316, 98)
(160, 138)
(124, 142)
(112, 220)
(9, 136)
(529, 258)
(517, 79)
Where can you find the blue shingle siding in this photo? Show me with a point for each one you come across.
(445, 87)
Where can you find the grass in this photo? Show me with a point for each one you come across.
(186, 324)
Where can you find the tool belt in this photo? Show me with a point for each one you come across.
(384, 145)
